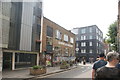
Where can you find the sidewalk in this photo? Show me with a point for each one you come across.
(87, 64)
(24, 73)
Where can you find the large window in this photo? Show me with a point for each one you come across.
(83, 43)
(90, 44)
(97, 44)
(83, 37)
(90, 37)
(97, 37)
(83, 31)
(96, 30)
(58, 34)
(90, 29)
(65, 37)
(90, 51)
(25, 60)
(49, 48)
(49, 31)
(71, 40)
(83, 50)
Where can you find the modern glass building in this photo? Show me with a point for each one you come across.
(21, 30)
(89, 42)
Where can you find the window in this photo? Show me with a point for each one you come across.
(90, 51)
(83, 51)
(90, 29)
(97, 44)
(71, 40)
(90, 44)
(97, 51)
(76, 44)
(96, 37)
(96, 30)
(83, 37)
(83, 44)
(90, 37)
(58, 34)
(83, 30)
(99, 39)
(49, 31)
(49, 48)
(66, 37)
(99, 33)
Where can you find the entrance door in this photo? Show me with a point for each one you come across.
(7, 61)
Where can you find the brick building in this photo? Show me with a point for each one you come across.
(57, 43)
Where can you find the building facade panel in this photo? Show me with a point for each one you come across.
(5, 23)
(26, 27)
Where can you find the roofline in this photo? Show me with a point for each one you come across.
(58, 25)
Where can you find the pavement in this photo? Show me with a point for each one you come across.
(82, 71)
(24, 73)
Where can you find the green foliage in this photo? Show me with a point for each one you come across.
(64, 62)
(112, 34)
(37, 67)
(64, 65)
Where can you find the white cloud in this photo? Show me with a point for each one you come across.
(79, 13)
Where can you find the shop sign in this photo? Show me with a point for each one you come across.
(65, 44)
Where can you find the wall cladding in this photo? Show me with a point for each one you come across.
(26, 27)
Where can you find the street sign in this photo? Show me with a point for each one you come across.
(77, 49)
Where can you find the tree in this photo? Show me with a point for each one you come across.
(112, 35)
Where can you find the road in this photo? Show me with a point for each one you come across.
(82, 71)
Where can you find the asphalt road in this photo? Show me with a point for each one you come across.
(82, 72)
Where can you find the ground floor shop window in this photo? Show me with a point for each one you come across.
(25, 60)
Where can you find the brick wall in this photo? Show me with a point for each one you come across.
(47, 22)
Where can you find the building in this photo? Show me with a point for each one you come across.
(57, 43)
(106, 47)
(89, 42)
(21, 30)
(118, 27)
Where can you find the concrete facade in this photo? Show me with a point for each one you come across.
(0, 38)
(21, 30)
(54, 45)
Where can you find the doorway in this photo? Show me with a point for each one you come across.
(7, 61)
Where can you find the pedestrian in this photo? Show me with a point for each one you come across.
(109, 71)
(118, 65)
(76, 60)
(84, 61)
(101, 62)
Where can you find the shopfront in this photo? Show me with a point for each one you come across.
(19, 59)
(7, 61)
